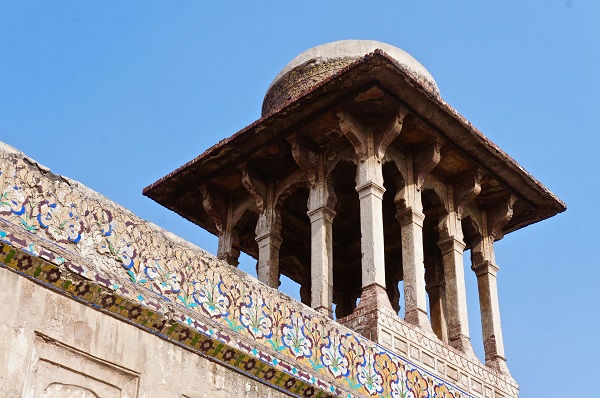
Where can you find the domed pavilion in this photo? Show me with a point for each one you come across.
(361, 184)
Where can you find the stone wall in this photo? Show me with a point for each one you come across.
(76, 243)
(53, 346)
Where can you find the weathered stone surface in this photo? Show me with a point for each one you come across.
(43, 353)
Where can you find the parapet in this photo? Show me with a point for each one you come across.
(73, 241)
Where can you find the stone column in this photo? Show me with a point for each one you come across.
(268, 227)
(321, 201)
(220, 211)
(370, 143)
(321, 259)
(452, 247)
(370, 193)
(411, 217)
(415, 300)
(456, 296)
(493, 343)
(484, 264)
(434, 286)
(269, 242)
(437, 309)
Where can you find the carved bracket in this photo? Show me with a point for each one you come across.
(497, 216)
(387, 131)
(306, 159)
(215, 206)
(466, 190)
(371, 140)
(356, 132)
(425, 160)
(254, 186)
(316, 169)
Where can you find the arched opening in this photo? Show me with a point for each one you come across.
(347, 281)
(435, 211)
(294, 254)
(244, 230)
(392, 236)
(472, 237)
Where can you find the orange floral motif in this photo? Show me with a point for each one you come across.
(441, 391)
(417, 384)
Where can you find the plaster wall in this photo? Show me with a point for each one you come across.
(53, 346)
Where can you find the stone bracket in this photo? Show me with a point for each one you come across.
(371, 140)
(316, 171)
(498, 216)
(254, 186)
(307, 160)
(215, 206)
(466, 190)
(425, 160)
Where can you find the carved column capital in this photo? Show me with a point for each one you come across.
(409, 216)
(485, 267)
(451, 244)
(326, 213)
(307, 160)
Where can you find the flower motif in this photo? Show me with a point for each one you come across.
(295, 339)
(53, 275)
(173, 280)
(368, 376)
(12, 201)
(47, 212)
(213, 301)
(151, 272)
(62, 224)
(127, 255)
(417, 384)
(73, 226)
(255, 319)
(333, 359)
(442, 391)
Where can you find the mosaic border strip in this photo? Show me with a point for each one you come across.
(83, 233)
(199, 338)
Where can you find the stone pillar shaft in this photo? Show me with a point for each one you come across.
(321, 222)
(267, 268)
(371, 229)
(415, 300)
(456, 295)
(493, 343)
(437, 310)
(226, 252)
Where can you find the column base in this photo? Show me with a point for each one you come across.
(499, 365)
(419, 319)
(492, 357)
(463, 344)
(374, 297)
(374, 302)
(230, 259)
(324, 311)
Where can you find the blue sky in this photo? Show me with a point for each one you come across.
(116, 94)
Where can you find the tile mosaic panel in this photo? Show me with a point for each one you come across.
(72, 239)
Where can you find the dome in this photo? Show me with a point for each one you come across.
(318, 63)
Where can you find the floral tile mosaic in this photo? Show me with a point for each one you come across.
(74, 240)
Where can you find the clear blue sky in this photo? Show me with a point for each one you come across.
(116, 94)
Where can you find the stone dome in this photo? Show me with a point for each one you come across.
(318, 63)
